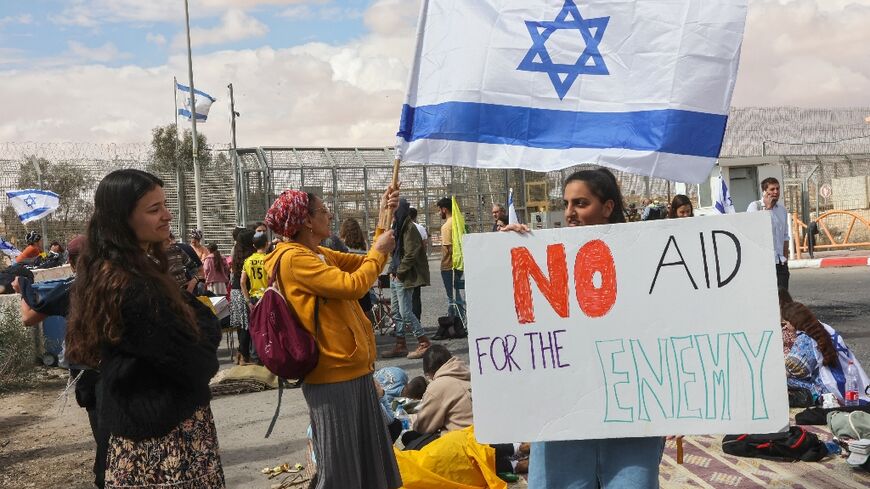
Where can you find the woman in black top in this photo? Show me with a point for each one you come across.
(154, 343)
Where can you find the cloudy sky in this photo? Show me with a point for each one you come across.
(324, 72)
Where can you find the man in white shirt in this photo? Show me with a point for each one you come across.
(770, 191)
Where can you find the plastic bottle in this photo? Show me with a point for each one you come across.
(832, 447)
(851, 397)
(402, 416)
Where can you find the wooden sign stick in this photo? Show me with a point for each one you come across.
(388, 215)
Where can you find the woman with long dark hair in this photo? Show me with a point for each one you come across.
(592, 197)
(681, 206)
(155, 344)
(216, 271)
(818, 358)
(239, 305)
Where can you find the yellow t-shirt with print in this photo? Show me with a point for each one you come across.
(258, 278)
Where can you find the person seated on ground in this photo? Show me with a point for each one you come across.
(509, 457)
(819, 357)
(415, 388)
(788, 333)
(390, 382)
(446, 405)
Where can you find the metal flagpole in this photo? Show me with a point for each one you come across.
(179, 170)
(236, 163)
(196, 173)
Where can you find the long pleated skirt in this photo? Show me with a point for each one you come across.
(351, 442)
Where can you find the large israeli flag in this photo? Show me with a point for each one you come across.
(33, 204)
(203, 102)
(641, 86)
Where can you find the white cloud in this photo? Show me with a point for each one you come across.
(800, 53)
(91, 13)
(157, 39)
(16, 19)
(298, 12)
(100, 54)
(10, 56)
(329, 12)
(794, 53)
(235, 26)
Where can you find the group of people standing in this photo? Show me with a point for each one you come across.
(154, 344)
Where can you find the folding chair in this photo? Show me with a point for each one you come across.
(382, 308)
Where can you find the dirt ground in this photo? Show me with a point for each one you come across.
(43, 444)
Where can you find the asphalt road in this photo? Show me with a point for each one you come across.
(840, 297)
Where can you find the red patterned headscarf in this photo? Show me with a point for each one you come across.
(287, 213)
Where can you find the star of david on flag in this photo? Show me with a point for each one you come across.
(33, 204)
(589, 62)
(541, 85)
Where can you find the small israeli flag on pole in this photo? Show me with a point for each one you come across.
(203, 102)
(33, 204)
(724, 204)
(512, 210)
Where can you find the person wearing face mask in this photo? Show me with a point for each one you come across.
(592, 197)
(779, 220)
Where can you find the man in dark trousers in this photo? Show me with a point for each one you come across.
(35, 308)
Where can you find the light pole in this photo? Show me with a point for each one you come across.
(42, 221)
(196, 175)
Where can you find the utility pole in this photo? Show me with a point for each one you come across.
(236, 164)
(196, 174)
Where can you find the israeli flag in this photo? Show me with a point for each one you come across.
(724, 204)
(512, 210)
(202, 99)
(8, 248)
(33, 204)
(638, 86)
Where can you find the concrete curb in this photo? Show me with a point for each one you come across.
(845, 261)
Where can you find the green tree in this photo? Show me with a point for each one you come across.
(168, 151)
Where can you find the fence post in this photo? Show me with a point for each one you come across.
(426, 208)
(366, 200)
(479, 198)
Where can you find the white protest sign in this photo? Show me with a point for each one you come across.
(651, 328)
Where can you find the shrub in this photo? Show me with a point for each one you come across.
(16, 349)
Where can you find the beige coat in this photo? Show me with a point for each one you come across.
(446, 405)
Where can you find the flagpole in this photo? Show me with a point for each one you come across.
(179, 171)
(196, 173)
(42, 220)
(388, 215)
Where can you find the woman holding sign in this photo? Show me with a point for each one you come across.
(593, 197)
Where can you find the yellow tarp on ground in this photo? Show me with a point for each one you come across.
(453, 461)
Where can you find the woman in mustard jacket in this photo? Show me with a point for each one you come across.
(352, 446)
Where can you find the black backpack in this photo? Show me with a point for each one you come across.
(792, 445)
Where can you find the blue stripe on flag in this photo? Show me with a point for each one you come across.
(185, 88)
(668, 130)
(35, 213)
(16, 193)
(186, 113)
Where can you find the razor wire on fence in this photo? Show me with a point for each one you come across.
(239, 189)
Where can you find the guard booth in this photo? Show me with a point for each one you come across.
(743, 176)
